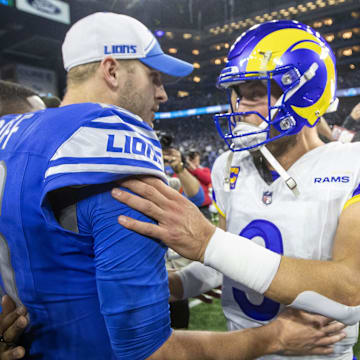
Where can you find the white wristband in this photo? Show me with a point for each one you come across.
(198, 278)
(242, 260)
(314, 302)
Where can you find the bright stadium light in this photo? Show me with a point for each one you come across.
(159, 33)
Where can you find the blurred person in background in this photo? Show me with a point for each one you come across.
(324, 130)
(179, 176)
(203, 174)
(18, 99)
(51, 101)
(352, 122)
(181, 180)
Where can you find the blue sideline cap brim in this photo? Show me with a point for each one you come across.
(166, 64)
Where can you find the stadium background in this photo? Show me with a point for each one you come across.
(199, 31)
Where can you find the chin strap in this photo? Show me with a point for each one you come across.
(289, 181)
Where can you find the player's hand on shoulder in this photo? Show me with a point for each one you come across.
(13, 321)
(181, 225)
(302, 333)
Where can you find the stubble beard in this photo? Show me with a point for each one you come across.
(133, 101)
(278, 148)
(282, 145)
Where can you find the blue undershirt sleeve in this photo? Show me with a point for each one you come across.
(131, 278)
(198, 198)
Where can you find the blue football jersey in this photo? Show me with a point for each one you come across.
(99, 292)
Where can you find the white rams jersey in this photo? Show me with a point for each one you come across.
(328, 179)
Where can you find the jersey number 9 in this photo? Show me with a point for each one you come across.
(271, 235)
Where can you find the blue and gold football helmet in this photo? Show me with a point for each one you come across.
(302, 64)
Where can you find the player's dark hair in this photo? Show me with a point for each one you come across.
(13, 98)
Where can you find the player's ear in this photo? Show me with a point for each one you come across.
(110, 71)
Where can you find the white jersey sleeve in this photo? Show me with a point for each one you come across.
(198, 278)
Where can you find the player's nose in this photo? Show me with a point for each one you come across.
(161, 94)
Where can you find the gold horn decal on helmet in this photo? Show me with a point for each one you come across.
(279, 42)
(313, 112)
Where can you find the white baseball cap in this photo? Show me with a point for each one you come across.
(123, 37)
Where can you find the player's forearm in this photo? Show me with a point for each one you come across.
(282, 278)
(245, 344)
(329, 288)
(189, 183)
(336, 280)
